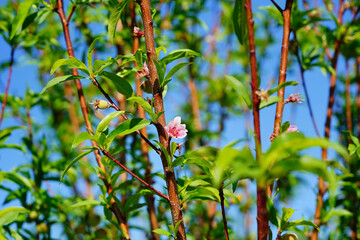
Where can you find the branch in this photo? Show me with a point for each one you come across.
(7, 84)
(71, 12)
(134, 175)
(262, 213)
(113, 105)
(278, 7)
(221, 194)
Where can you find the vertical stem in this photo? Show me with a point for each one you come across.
(348, 99)
(143, 145)
(114, 208)
(286, 13)
(7, 84)
(159, 107)
(221, 194)
(261, 202)
(329, 113)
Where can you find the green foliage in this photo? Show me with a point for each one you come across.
(114, 18)
(239, 20)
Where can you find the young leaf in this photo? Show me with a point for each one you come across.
(241, 89)
(85, 203)
(71, 63)
(161, 71)
(162, 232)
(270, 101)
(239, 20)
(174, 70)
(286, 215)
(127, 127)
(90, 56)
(145, 105)
(58, 80)
(301, 223)
(106, 120)
(138, 58)
(74, 161)
(180, 53)
(23, 10)
(114, 18)
(10, 214)
(80, 138)
(284, 84)
(122, 85)
(173, 148)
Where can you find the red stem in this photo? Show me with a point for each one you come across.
(262, 213)
(7, 84)
(159, 107)
(221, 194)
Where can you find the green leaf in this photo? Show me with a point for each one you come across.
(90, 202)
(121, 84)
(160, 70)
(81, 137)
(241, 89)
(272, 212)
(127, 127)
(284, 84)
(23, 10)
(58, 80)
(162, 232)
(270, 101)
(114, 18)
(90, 56)
(180, 53)
(145, 105)
(174, 70)
(10, 214)
(173, 148)
(138, 58)
(285, 126)
(301, 223)
(74, 161)
(167, 156)
(239, 20)
(177, 226)
(18, 179)
(336, 212)
(286, 215)
(106, 120)
(71, 63)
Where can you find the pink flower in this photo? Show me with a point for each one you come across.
(292, 128)
(137, 32)
(144, 72)
(175, 129)
(294, 98)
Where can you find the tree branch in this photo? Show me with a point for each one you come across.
(221, 194)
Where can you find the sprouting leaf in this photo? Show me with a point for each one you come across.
(172, 71)
(80, 138)
(60, 79)
(10, 214)
(269, 101)
(286, 215)
(241, 89)
(106, 120)
(89, 202)
(23, 10)
(180, 53)
(239, 20)
(74, 161)
(71, 63)
(114, 18)
(121, 84)
(162, 232)
(284, 84)
(301, 223)
(145, 105)
(90, 56)
(127, 127)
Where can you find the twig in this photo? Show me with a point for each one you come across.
(170, 178)
(71, 12)
(221, 194)
(113, 105)
(134, 175)
(262, 213)
(7, 84)
(278, 7)
(114, 207)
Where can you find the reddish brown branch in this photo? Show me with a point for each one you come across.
(221, 194)
(262, 213)
(7, 84)
(159, 107)
(329, 113)
(115, 208)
